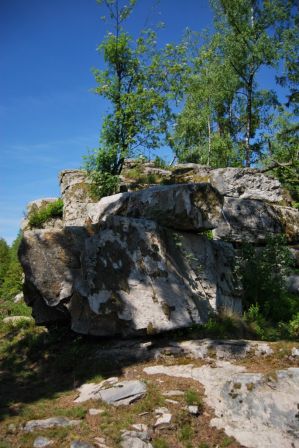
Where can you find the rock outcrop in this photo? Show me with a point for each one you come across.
(144, 261)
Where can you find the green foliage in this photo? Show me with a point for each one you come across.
(103, 184)
(192, 397)
(186, 433)
(139, 93)
(264, 273)
(39, 216)
(4, 260)
(226, 116)
(160, 163)
(270, 311)
(12, 282)
(222, 326)
(160, 443)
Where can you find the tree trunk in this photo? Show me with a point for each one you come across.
(248, 120)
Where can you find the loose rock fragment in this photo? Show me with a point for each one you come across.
(51, 422)
(42, 442)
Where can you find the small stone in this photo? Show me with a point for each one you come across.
(171, 401)
(142, 414)
(51, 422)
(173, 393)
(100, 442)
(193, 410)
(163, 421)
(135, 439)
(122, 393)
(140, 427)
(93, 411)
(160, 411)
(18, 298)
(81, 444)
(12, 429)
(146, 344)
(42, 442)
(109, 382)
(295, 351)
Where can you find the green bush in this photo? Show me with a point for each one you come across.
(11, 283)
(38, 217)
(102, 184)
(270, 310)
(263, 274)
(160, 163)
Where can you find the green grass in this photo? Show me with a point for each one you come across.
(192, 397)
(39, 216)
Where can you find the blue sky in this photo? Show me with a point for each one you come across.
(49, 118)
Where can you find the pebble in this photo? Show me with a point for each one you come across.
(193, 410)
(42, 442)
(93, 411)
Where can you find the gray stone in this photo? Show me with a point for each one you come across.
(75, 194)
(173, 393)
(18, 298)
(140, 427)
(295, 351)
(193, 409)
(181, 207)
(295, 255)
(163, 421)
(107, 284)
(247, 220)
(100, 442)
(51, 422)
(122, 393)
(12, 429)
(134, 263)
(93, 411)
(135, 439)
(248, 406)
(42, 442)
(243, 183)
(293, 284)
(81, 444)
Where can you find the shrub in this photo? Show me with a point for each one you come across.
(192, 398)
(102, 184)
(159, 162)
(12, 281)
(41, 215)
(263, 274)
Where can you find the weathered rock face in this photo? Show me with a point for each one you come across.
(136, 262)
(130, 276)
(243, 183)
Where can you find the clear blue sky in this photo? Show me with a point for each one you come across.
(48, 116)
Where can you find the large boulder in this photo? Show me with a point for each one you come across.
(74, 186)
(192, 207)
(144, 262)
(130, 277)
(243, 183)
(248, 220)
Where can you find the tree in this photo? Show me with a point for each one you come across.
(251, 39)
(227, 109)
(139, 84)
(4, 260)
(205, 130)
(12, 283)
